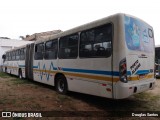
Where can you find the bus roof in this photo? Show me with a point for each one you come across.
(95, 23)
(16, 48)
(82, 27)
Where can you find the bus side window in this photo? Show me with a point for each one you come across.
(68, 48)
(22, 54)
(7, 56)
(96, 42)
(10, 56)
(17, 54)
(13, 55)
(51, 49)
(39, 49)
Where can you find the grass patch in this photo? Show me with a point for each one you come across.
(143, 96)
(62, 98)
(147, 96)
(5, 101)
(2, 101)
(151, 101)
(20, 81)
(4, 75)
(155, 98)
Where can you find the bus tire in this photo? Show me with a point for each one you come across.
(20, 74)
(61, 84)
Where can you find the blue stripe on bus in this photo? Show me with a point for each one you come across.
(129, 73)
(88, 71)
(44, 67)
(21, 65)
(142, 72)
(99, 72)
(114, 73)
(35, 67)
(139, 72)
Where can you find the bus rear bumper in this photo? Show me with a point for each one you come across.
(124, 90)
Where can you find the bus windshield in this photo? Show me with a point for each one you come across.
(138, 35)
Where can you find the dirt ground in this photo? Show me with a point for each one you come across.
(25, 95)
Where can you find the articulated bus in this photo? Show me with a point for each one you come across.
(112, 57)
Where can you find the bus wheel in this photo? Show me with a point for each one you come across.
(20, 74)
(61, 84)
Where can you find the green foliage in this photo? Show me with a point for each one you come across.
(20, 81)
(4, 75)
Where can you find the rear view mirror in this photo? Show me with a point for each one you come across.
(4, 56)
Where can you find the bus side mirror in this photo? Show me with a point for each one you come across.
(4, 56)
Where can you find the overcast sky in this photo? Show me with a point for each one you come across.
(22, 17)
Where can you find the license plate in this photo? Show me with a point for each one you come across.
(142, 76)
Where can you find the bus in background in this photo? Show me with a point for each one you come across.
(14, 62)
(112, 57)
(157, 60)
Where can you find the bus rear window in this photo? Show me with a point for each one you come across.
(138, 35)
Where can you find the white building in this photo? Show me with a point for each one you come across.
(7, 44)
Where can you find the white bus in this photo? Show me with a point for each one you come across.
(112, 57)
(14, 62)
(157, 61)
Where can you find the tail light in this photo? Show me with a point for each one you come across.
(123, 71)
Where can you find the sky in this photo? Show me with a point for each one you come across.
(26, 17)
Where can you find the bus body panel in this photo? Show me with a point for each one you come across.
(132, 48)
(44, 71)
(138, 53)
(140, 79)
(87, 75)
(140, 68)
